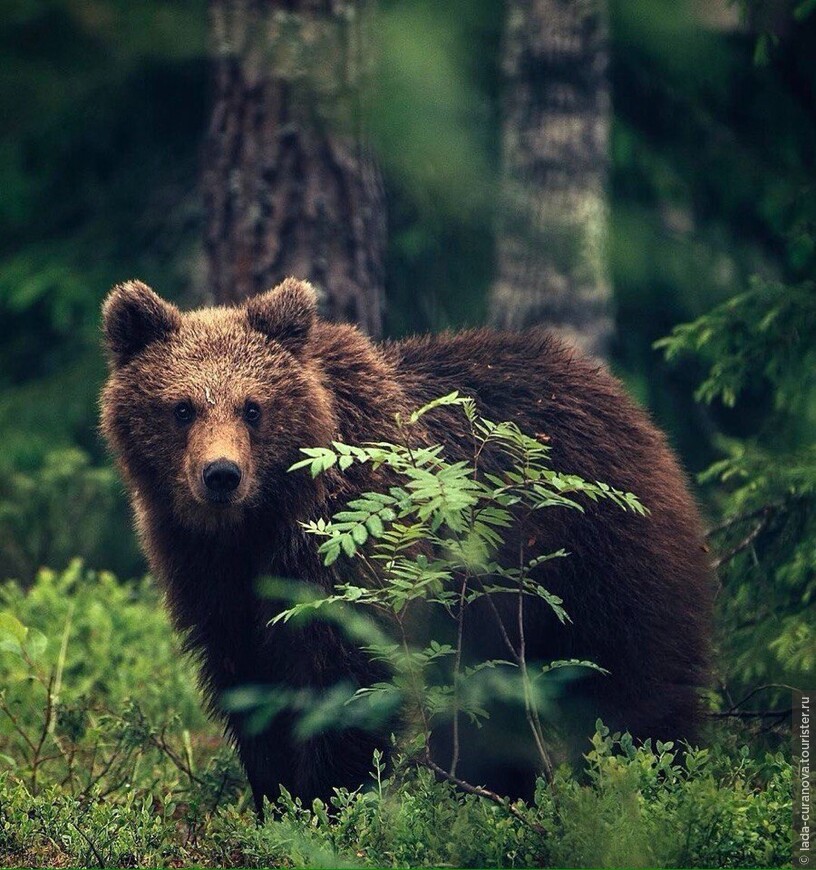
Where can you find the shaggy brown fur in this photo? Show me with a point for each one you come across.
(638, 589)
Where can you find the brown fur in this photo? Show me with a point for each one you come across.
(638, 589)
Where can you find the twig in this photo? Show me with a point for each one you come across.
(49, 711)
(757, 690)
(480, 791)
(751, 714)
(746, 542)
(220, 792)
(460, 625)
(529, 704)
(772, 507)
(87, 839)
(415, 682)
(63, 654)
(734, 712)
(161, 744)
(16, 725)
(502, 630)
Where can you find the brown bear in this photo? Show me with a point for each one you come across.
(205, 412)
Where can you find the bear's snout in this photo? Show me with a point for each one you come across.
(221, 479)
(218, 466)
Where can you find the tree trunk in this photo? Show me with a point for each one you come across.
(289, 185)
(552, 265)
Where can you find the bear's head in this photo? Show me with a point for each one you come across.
(206, 410)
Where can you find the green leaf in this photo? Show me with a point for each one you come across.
(36, 643)
(360, 534)
(12, 628)
(572, 663)
(375, 526)
(449, 399)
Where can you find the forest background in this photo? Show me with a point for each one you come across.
(704, 232)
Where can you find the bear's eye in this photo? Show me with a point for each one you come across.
(252, 413)
(184, 412)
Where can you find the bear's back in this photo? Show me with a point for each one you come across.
(639, 589)
(593, 428)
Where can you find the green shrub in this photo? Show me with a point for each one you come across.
(644, 808)
(427, 545)
(61, 507)
(765, 486)
(162, 792)
(118, 642)
(640, 808)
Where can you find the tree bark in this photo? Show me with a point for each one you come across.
(290, 187)
(551, 245)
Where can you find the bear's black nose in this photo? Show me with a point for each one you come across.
(221, 477)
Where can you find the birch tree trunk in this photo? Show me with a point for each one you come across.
(290, 187)
(551, 246)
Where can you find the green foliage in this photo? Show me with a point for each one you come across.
(108, 643)
(130, 774)
(644, 809)
(760, 344)
(766, 485)
(434, 538)
(104, 749)
(711, 183)
(639, 808)
(60, 508)
(763, 334)
(104, 104)
(756, 355)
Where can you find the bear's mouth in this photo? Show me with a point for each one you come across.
(221, 500)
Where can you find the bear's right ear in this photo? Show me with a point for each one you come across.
(133, 317)
(286, 313)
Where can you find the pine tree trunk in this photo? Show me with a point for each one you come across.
(289, 185)
(551, 243)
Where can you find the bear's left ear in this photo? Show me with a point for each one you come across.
(286, 313)
(133, 317)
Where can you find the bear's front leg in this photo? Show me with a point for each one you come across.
(270, 760)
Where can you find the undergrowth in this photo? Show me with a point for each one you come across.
(151, 782)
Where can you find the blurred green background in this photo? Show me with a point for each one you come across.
(105, 105)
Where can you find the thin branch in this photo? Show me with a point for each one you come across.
(457, 666)
(99, 860)
(734, 711)
(49, 712)
(529, 704)
(16, 725)
(415, 682)
(746, 542)
(772, 507)
(757, 690)
(161, 744)
(480, 791)
(60, 667)
(751, 714)
(502, 630)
